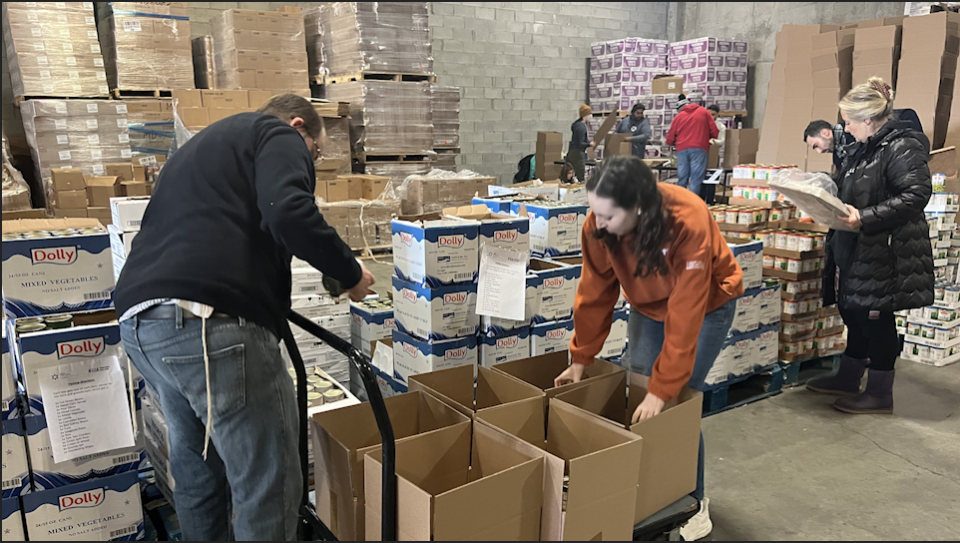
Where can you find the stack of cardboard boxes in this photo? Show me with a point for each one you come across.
(713, 67)
(439, 189)
(146, 45)
(53, 50)
(621, 71)
(126, 217)
(82, 134)
(260, 50)
(348, 38)
(387, 117)
(445, 112)
(200, 108)
(549, 151)
(204, 70)
(832, 65)
(77, 195)
(876, 50)
(151, 126)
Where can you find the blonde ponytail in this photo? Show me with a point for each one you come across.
(872, 100)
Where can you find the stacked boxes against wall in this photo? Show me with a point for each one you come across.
(831, 63)
(876, 50)
(260, 50)
(360, 207)
(146, 45)
(151, 126)
(53, 50)
(621, 71)
(54, 331)
(80, 134)
(715, 68)
(204, 70)
(348, 38)
(445, 105)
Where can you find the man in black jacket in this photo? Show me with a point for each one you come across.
(824, 137)
(203, 297)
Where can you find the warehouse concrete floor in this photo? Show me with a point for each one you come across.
(792, 468)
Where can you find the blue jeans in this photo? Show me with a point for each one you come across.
(253, 457)
(646, 342)
(692, 168)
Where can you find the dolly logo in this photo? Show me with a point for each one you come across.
(60, 256)
(410, 294)
(455, 354)
(553, 282)
(409, 349)
(84, 348)
(743, 344)
(567, 218)
(508, 342)
(407, 239)
(357, 319)
(508, 236)
(559, 333)
(450, 241)
(389, 324)
(456, 298)
(87, 498)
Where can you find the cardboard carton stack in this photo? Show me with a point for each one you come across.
(53, 50)
(445, 113)
(336, 152)
(81, 134)
(347, 38)
(387, 117)
(439, 189)
(126, 218)
(832, 66)
(151, 126)
(876, 50)
(360, 207)
(927, 71)
(146, 45)
(549, 151)
(715, 68)
(262, 50)
(622, 70)
(204, 70)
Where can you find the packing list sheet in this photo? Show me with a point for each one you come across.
(502, 283)
(86, 408)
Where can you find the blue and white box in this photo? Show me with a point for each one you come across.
(56, 274)
(616, 342)
(412, 356)
(768, 346)
(16, 471)
(738, 353)
(435, 253)
(508, 348)
(496, 229)
(496, 204)
(48, 474)
(12, 520)
(551, 337)
(368, 325)
(51, 348)
(100, 510)
(558, 291)
(554, 228)
(435, 314)
(575, 262)
(497, 327)
(747, 316)
(769, 300)
(749, 255)
(11, 402)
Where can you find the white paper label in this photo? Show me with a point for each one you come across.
(104, 90)
(68, 47)
(36, 32)
(124, 138)
(71, 61)
(33, 17)
(61, 18)
(65, 155)
(48, 89)
(95, 48)
(61, 108)
(39, 47)
(60, 124)
(502, 275)
(44, 74)
(121, 123)
(148, 161)
(121, 109)
(98, 62)
(93, 139)
(93, 108)
(101, 76)
(92, 34)
(43, 61)
(90, 20)
(131, 26)
(98, 169)
(92, 124)
(126, 153)
(96, 154)
(31, 4)
(62, 139)
(61, 5)
(73, 74)
(65, 33)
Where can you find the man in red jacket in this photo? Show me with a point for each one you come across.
(691, 132)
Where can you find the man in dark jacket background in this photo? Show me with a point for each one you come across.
(824, 137)
(579, 143)
(203, 298)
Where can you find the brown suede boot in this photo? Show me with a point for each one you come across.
(877, 399)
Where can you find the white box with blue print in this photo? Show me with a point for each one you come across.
(435, 252)
(554, 226)
(412, 356)
(99, 510)
(435, 313)
(514, 345)
(551, 337)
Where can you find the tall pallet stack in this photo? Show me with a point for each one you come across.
(445, 112)
(146, 47)
(52, 50)
(263, 50)
(831, 65)
(53, 331)
(621, 71)
(714, 68)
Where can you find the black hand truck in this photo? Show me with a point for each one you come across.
(311, 528)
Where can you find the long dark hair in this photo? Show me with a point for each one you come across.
(628, 181)
(564, 170)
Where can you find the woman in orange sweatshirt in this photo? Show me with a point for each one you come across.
(661, 245)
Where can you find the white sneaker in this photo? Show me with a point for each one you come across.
(700, 525)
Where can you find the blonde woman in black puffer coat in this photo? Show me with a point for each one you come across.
(886, 263)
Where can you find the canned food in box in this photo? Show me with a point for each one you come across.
(745, 217)
(792, 287)
(781, 239)
(810, 266)
(938, 292)
(791, 347)
(810, 325)
(941, 334)
(781, 263)
(946, 315)
(793, 240)
(927, 332)
(791, 328)
(769, 261)
(794, 265)
(805, 243)
(807, 345)
(791, 308)
(951, 295)
(733, 215)
(939, 354)
(760, 215)
(769, 239)
(924, 352)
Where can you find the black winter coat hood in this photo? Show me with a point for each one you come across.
(888, 265)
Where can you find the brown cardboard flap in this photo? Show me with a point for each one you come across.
(943, 161)
(606, 127)
(455, 387)
(524, 419)
(540, 371)
(35, 225)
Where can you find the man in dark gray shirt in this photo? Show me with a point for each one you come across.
(639, 127)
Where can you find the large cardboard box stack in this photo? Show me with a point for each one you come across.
(832, 67)
(204, 70)
(716, 68)
(151, 126)
(445, 113)
(80, 134)
(549, 151)
(260, 50)
(146, 45)
(52, 49)
(200, 108)
(387, 117)
(876, 50)
(346, 38)
(927, 71)
(622, 70)
(741, 147)
(439, 189)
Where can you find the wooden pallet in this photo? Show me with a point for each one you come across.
(447, 150)
(743, 390)
(375, 76)
(20, 99)
(798, 373)
(386, 157)
(120, 94)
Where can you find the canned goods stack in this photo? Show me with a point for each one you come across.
(321, 391)
(932, 334)
(941, 213)
(734, 217)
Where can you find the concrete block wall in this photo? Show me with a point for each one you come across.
(521, 67)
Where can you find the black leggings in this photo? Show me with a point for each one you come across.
(876, 338)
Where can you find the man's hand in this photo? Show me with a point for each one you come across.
(359, 292)
(852, 221)
(572, 374)
(650, 407)
(593, 144)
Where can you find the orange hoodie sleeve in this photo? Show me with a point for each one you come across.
(597, 295)
(692, 258)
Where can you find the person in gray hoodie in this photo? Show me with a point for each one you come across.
(579, 143)
(638, 127)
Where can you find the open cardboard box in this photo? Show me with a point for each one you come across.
(540, 371)
(462, 483)
(340, 439)
(601, 460)
(671, 440)
(455, 387)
